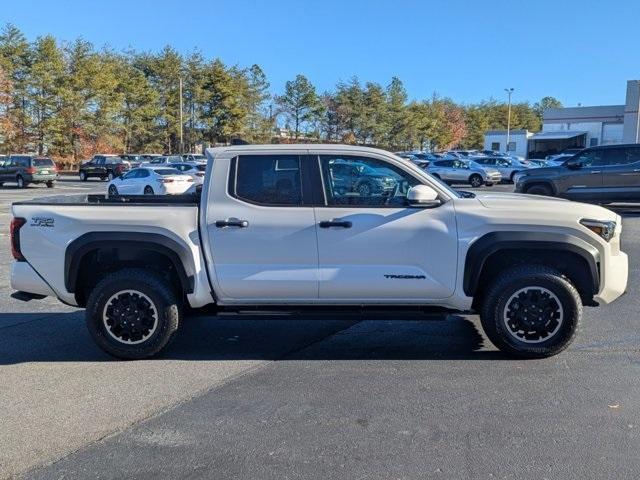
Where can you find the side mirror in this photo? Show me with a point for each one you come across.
(573, 164)
(423, 196)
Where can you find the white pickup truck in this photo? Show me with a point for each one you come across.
(290, 226)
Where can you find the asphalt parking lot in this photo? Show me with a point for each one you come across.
(282, 397)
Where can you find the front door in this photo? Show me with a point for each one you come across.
(262, 233)
(585, 181)
(372, 247)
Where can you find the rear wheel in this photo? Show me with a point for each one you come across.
(113, 190)
(513, 174)
(148, 190)
(364, 189)
(531, 312)
(133, 314)
(20, 181)
(110, 176)
(83, 177)
(476, 180)
(51, 184)
(540, 189)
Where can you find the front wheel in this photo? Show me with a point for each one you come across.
(531, 312)
(476, 180)
(113, 190)
(132, 314)
(83, 177)
(364, 190)
(20, 181)
(540, 190)
(51, 184)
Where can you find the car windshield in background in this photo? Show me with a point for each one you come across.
(42, 162)
(474, 164)
(201, 168)
(167, 171)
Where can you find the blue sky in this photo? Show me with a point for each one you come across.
(578, 51)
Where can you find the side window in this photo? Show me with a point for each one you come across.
(142, 173)
(272, 180)
(633, 155)
(369, 182)
(591, 158)
(619, 156)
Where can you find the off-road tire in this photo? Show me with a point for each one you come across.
(540, 189)
(507, 284)
(163, 299)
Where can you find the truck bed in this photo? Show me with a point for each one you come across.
(96, 199)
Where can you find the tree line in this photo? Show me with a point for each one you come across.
(70, 100)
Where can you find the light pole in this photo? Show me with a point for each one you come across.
(181, 142)
(638, 112)
(509, 92)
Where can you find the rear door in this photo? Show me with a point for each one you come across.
(621, 173)
(374, 248)
(261, 227)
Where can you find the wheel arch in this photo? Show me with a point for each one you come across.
(571, 255)
(123, 249)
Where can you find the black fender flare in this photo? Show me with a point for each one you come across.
(487, 245)
(179, 255)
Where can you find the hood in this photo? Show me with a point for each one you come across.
(545, 206)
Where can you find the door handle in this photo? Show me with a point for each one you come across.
(232, 222)
(335, 223)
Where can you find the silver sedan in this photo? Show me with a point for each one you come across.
(464, 171)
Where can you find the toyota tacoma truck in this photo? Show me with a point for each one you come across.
(274, 229)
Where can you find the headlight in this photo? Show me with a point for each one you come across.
(604, 229)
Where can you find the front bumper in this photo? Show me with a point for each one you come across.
(614, 278)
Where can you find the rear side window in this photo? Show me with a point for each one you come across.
(42, 162)
(167, 171)
(271, 180)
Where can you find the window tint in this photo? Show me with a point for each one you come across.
(620, 156)
(167, 171)
(590, 158)
(112, 160)
(142, 173)
(366, 182)
(42, 162)
(131, 174)
(269, 179)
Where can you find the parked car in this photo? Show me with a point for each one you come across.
(150, 181)
(358, 178)
(604, 174)
(537, 163)
(3, 159)
(163, 160)
(507, 167)
(104, 167)
(464, 171)
(193, 157)
(252, 241)
(26, 169)
(195, 170)
(133, 159)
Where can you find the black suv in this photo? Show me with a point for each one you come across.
(604, 174)
(105, 167)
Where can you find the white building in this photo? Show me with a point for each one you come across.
(496, 140)
(575, 127)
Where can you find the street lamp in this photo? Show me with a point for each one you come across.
(509, 92)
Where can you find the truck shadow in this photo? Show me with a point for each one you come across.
(62, 337)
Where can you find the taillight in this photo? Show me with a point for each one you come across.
(199, 174)
(31, 170)
(165, 180)
(189, 179)
(14, 234)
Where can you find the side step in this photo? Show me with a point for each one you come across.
(26, 296)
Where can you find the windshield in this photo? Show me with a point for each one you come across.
(167, 171)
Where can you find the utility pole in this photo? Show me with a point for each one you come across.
(181, 142)
(509, 92)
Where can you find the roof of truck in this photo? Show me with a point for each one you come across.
(294, 146)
